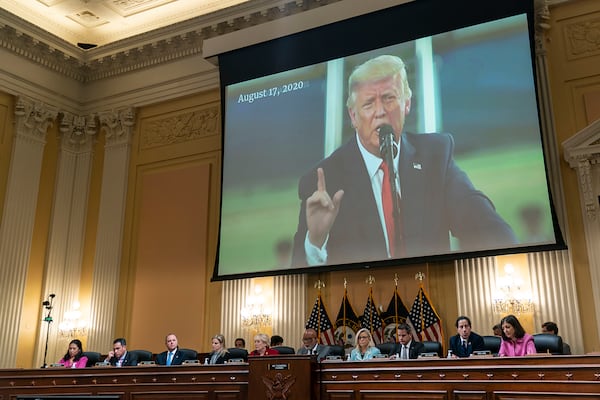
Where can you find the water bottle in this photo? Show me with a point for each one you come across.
(449, 353)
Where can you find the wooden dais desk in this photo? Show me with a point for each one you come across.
(210, 382)
(534, 378)
(537, 377)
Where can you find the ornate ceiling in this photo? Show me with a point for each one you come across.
(100, 22)
(146, 43)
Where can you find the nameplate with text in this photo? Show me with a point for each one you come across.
(279, 366)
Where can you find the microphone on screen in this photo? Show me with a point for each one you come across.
(387, 146)
(388, 150)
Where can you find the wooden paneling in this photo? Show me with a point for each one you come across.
(284, 377)
(224, 382)
(544, 396)
(404, 395)
(532, 378)
(462, 395)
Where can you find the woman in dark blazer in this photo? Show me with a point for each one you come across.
(219, 354)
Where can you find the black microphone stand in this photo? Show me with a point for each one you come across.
(48, 306)
(388, 150)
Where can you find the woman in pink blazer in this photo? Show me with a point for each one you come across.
(515, 342)
(74, 357)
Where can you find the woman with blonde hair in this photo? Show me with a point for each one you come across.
(365, 347)
(261, 346)
(219, 354)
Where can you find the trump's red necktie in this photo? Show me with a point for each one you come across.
(388, 208)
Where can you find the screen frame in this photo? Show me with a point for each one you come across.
(332, 41)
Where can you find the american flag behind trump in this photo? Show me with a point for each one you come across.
(320, 322)
(425, 320)
(371, 320)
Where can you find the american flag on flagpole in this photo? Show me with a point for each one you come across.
(371, 320)
(425, 319)
(320, 322)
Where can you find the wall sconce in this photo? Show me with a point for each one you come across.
(255, 315)
(509, 297)
(72, 325)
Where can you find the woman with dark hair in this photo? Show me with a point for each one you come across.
(74, 357)
(219, 354)
(515, 341)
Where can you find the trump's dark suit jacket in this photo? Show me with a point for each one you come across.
(437, 199)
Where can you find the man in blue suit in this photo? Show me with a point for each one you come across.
(173, 355)
(342, 216)
(465, 342)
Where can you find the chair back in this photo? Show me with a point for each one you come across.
(142, 355)
(235, 352)
(548, 343)
(387, 348)
(492, 343)
(336, 350)
(188, 354)
(285, 349)
(92, 358)
(433, 347)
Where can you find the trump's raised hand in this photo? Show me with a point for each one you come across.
(321, 211)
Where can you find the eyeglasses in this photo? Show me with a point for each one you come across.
(363, 337)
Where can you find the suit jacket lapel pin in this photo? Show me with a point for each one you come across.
(417, 165)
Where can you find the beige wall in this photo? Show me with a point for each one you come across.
(172, 211)
(574, 58)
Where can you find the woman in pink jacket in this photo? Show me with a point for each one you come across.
(74, 357)
(515, 341)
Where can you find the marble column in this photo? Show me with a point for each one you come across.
(18, 218)
(118, 129)
(67, 230)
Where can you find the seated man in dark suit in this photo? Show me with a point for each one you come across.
(119, 356)
(465, 342)
(407, 348)
(172, 356)
(552, 328)
(310, 345)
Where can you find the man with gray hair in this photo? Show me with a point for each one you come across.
(374, 199)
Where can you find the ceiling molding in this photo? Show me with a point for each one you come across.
(142, 51)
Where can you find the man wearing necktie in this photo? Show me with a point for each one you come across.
(119, 356)
(311, 346)
(407, 348)
(465, 342)
(173, 355)
(343, 216)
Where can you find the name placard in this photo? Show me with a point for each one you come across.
(279, 366)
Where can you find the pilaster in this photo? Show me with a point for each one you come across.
(118, 129)
(32, 121)
(67, 230)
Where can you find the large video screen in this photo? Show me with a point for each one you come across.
(392, 138)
